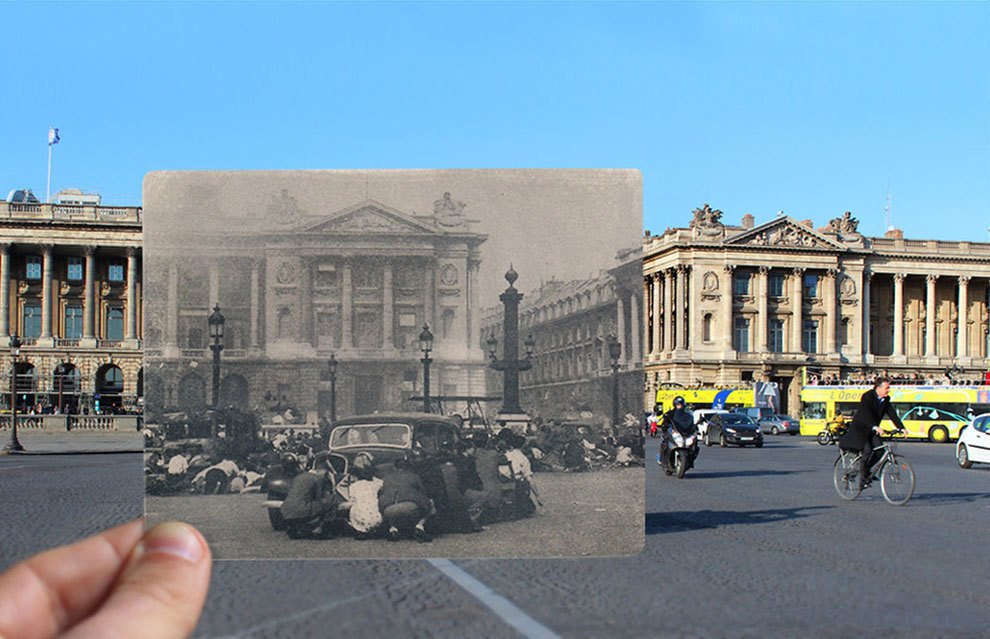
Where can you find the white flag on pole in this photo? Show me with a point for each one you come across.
(53, 136)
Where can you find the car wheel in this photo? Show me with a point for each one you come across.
(793, 433)
(708, 442)
(962, 456)
(938, 434)
(774, 431)
(721, 441)
(759, 444)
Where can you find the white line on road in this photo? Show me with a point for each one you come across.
(502, 607)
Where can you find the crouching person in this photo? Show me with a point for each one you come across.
(310, 508)
(403, 503)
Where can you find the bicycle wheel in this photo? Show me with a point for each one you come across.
(845, 476)
(897, 481)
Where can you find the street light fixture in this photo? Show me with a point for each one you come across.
(530, 347)
(332, 365)
(614, 351)
(15, 350)
(492, 345)
(426, 345)
(216, 322)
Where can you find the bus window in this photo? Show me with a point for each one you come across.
(814, 410)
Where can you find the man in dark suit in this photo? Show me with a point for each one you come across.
(864, 432)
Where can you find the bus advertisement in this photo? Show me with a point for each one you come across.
(695, 398)
(935, 413)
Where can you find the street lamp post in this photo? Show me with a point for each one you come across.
(426, 345)
(332, 363)
(216, 322)
(15, 350)
(614, 350)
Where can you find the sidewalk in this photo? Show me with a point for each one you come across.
(75, 443)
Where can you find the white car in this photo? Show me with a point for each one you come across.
(701, 417)
(974, 442)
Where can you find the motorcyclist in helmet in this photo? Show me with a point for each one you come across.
(679, 418)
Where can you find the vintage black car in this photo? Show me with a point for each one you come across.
(429, 441)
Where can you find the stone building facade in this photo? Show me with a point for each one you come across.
(727, 304)
(71, 289)
(570, 323)
(358, 284)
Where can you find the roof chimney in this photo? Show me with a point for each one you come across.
(748, 221)
(808, 223)
(894, 234)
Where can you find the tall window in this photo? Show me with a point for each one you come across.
(32, 320)
(32, 267)
(115, 323)
(707, 327)
(115, 272)
(741, 283)
(741, 334)
(73, 328)
(74, 269)
(776, 282)
(776, 336)
(809, 337)
(810, 286)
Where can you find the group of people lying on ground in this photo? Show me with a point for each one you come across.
(411, 497)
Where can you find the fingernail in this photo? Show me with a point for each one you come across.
(175, 539)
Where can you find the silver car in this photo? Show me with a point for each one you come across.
(777, 424)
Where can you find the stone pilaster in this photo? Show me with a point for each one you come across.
(682, 270)
(762, 314)
(46, 295)
(655, 281)
(898, 352)
(829, 295)
(797, 312)
(388, 312)
(89, 300)
(931, 280)
(130, 333)
(255, 303)
(726, 303)
(346, 306)
(668, 310)
(962, 348)
(4, 291)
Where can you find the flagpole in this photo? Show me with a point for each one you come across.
(48, 188)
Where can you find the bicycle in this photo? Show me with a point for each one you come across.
(895, 473)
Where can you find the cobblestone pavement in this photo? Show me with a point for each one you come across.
(752, 543)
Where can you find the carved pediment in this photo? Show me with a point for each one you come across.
(368, 217)
(784, 233)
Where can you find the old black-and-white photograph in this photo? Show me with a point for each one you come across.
(396, 363)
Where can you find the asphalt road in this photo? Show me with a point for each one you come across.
(752, 543)
(584, 515)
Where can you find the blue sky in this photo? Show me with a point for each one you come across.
(813, 109)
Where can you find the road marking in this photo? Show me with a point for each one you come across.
(502, 607)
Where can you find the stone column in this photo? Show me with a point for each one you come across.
(668, 315)
(681, 307)
(388, 312)
(131, 331)
(620, 324)
(762, 314)
(930, 316)
(726, 303)
(867, 312)
(172, 317)
(635, 353)
(89, 300)
(898, 314)
(4, 291)
(962, 348)
(655, 282)
(346, 304)
(797, 300)
(829, 298)
(46, 292)
(255, 303)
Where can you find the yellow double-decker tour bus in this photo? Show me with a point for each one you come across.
(935, 413)
(761, 394)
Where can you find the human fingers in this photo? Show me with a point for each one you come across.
(42, 596)
(160, 592)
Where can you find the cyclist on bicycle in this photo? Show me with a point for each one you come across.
(863, 434)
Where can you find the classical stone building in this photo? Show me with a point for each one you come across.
(70, 288)
(358, 284)
(735, 303)
(570, 323)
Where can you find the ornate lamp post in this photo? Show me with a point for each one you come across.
(426, 345)
(332, 364)
(15, 350)
(614, 350)
(216, 321)
(510, 364)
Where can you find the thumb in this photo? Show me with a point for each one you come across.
(160, 593)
